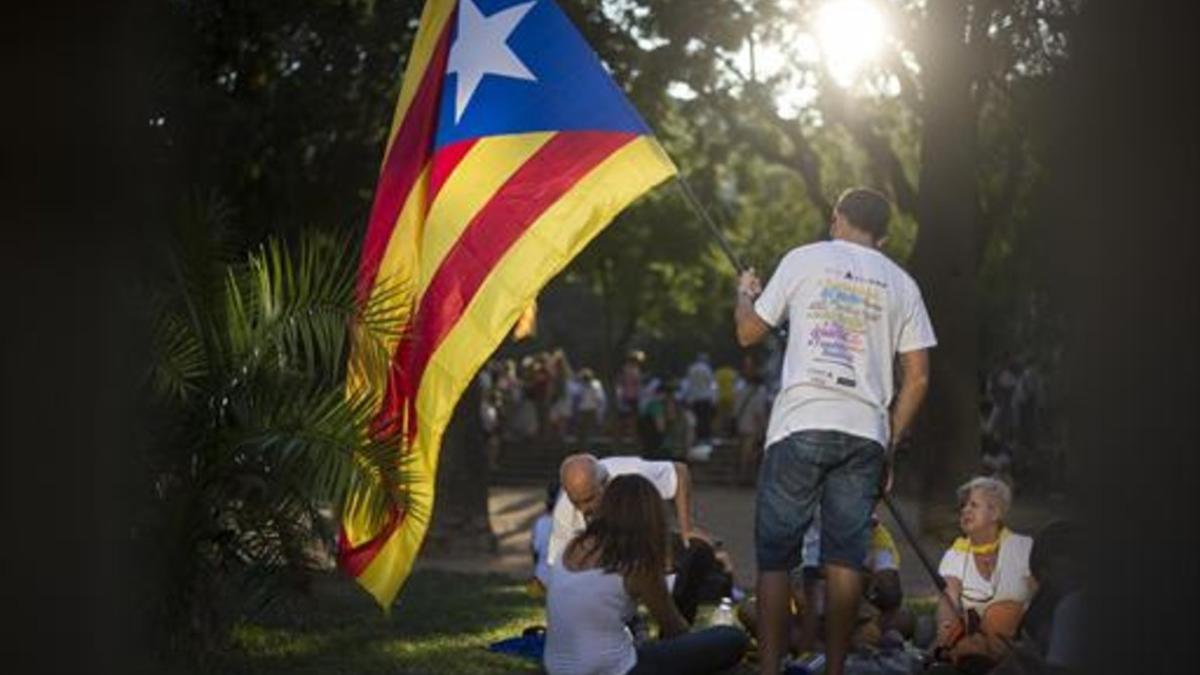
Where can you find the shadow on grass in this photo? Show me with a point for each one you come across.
(520, 528)
(522, 504)
(441, 623)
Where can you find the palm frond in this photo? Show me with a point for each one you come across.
(322, 439)
(274, 372)
(301, 309)
(180, 365)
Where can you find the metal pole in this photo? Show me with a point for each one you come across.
(780, 332)
(912, 540)
(690, 197)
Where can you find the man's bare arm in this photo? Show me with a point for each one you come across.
(913, 386)
(751, 329)
(914, 383)
(683, 500)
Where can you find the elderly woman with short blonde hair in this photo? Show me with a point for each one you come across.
(987, 576)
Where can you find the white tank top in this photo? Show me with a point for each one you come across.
(586, 613)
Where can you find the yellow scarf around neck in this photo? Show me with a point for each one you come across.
(964, 545)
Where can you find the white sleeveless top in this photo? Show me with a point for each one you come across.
(1010, 578)
(586, 613)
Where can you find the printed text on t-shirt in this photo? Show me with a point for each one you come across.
(839, 317)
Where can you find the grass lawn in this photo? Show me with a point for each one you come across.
(441, 623)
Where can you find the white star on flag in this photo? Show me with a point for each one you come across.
(481, 49)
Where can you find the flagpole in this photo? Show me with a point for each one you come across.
(938, 581)
(691, 199)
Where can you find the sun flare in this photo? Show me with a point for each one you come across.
(851, 34)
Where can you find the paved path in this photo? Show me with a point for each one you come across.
(726, 511)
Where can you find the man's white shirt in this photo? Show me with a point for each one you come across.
(569, 521)
(851, 310)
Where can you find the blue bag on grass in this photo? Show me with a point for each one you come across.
(529, 645)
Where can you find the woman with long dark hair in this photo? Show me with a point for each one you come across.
(617, 562)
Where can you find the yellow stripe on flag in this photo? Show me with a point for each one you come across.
(479, 175)
(401, 262)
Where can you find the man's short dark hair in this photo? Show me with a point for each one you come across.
(866, 209)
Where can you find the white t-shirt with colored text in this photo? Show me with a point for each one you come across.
(851, 310)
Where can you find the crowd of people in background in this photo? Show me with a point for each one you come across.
(654, 414)
(658, 415)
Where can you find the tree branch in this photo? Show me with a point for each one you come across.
(910, 90)
(876, 145)
(803, 159)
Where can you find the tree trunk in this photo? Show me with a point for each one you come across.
(945, 262)
(460, 516)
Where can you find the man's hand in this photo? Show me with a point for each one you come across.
(885, 483)
(750, 327)
(749, 284)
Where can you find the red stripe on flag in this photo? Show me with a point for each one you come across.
(444, 163)
(355, 559)
(540, 182)
(406, 159)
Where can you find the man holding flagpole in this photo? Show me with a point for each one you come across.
(833, 426)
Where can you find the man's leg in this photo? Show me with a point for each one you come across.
(788, 487)
(810, 620)
(851, 489)
(773, 624)
(843, 590)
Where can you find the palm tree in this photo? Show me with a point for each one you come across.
(259, 441)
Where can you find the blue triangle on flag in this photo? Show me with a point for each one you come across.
(572, 90)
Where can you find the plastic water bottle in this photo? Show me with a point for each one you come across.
(723, 614)
(811, 664)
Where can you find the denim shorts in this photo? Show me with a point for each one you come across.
(840, 472)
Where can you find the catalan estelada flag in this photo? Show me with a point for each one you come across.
(510, 149)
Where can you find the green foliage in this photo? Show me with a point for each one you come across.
(282, 106)
(258, 440)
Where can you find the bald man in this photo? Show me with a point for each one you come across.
(583, 478)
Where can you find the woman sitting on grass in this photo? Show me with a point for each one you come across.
(987, 577)
(617, 562)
